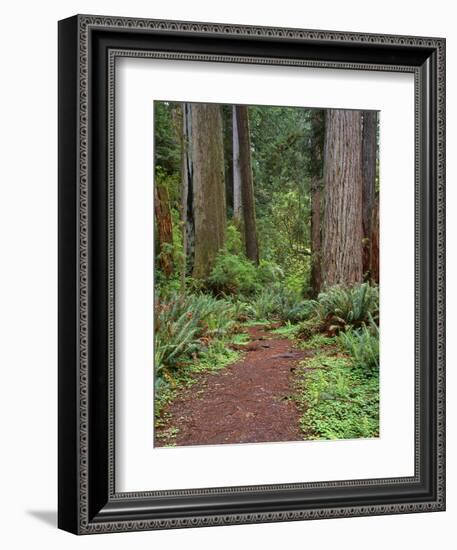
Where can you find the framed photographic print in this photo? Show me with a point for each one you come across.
(251, 274)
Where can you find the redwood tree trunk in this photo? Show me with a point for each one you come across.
(187, 193)
(164, 228)
(316, 272)
(315, 172)
(203, 192)
(369, 183)
(247, 185)
(343, 231)
(237, 205)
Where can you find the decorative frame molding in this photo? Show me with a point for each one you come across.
(88, 502)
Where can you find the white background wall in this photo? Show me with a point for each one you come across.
(28, 301)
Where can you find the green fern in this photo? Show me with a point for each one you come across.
(363, 346)
(186, 324)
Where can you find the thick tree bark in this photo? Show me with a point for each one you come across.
(369, 182)
(247, 185)
(203, 191)
(316, 161)
(374, 248)
(164, 228)
(343, 231)
(237, 206)
(227, 131)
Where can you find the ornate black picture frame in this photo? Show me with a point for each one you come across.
(88, 501)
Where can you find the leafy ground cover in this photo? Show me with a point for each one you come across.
(338, 398)
(335, 386)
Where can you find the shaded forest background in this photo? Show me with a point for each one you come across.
(294, 191)
(270, 215)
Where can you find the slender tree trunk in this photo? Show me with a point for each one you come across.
(247, 185)
(343, 231)
(237, 206)
(316, 162)
(187, 192)
(203, 190)
(164, 228)
(374, 252)
(316, 273)
(178, 115)
(369, 181)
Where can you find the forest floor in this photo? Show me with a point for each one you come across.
(249, 401)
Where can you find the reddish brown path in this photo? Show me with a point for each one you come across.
(246, 402)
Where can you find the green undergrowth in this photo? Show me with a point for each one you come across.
(337, 398)
(338, 384)
(289, 330)
(168, 435)
(240, 338)
(316, 341)
(256, 323)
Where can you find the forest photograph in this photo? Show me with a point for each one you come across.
(266, 274)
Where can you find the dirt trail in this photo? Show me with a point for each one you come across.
(246, 402)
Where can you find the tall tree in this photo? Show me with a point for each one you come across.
(187, 192)
(237, 205)
(374, 242)
(316, 161)
(227, 131)
(369, 132)
(247, 185)
(343, 230)
(203, 186)
(164, 228)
